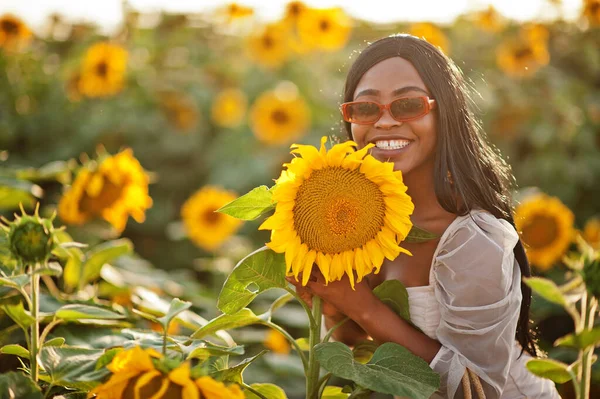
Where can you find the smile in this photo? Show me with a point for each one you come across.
(391, 144)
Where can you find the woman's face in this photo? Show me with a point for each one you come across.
(384, 82)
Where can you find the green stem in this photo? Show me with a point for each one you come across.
(49, 327)
(254, 391)
(358, 392)
(332, 329)
(323, 382)
(312, 377)
(588, 352)
(304, 305)
(165, 335)
(35, 327)
(292, 342)
(575, 382)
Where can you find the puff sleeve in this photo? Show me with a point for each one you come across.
(477, 285)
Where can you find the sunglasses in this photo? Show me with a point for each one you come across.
(402, 109)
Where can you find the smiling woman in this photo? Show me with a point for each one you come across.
(404, 98)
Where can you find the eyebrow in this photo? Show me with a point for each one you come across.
(397, 92)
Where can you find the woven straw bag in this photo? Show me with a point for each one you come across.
(471, 378)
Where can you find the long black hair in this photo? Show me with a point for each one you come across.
(479, 176)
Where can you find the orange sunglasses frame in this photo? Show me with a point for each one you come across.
(429, 105)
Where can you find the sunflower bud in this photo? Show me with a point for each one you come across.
(591, 275)
(31, 238)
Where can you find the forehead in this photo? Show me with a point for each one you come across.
(389, 75)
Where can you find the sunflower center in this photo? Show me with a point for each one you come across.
(210, 216)
(541, 232)
(280, 116)
(338, 210)
(523, 53)
(267, 41)
(324, 25)
(102, 68)
(9, 27)
(109, 194)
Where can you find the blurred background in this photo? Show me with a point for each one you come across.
(195, 103)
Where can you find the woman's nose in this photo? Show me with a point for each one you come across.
(386, 121)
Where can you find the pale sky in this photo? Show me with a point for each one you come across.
(108, 13)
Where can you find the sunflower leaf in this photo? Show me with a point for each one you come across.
(204, 349)
(177, 306)
(78, 312)
(103, 253)
(242, 318)
(16, 191)
(392, 369)
(332, 392)
(251, 205)
(580, 341)
(20, 385)
(14, 349)
(234, 374)
(270, 391)
(550, 369)
(19, 315)
(262, 269)
(417, 234)
(394, 294)
(73, 367)
(547, 289)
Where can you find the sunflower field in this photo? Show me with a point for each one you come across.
(119, 280)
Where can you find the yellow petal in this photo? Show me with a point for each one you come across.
(359, 262)
(309, 261)
(375, 255)
(337, 267)
(291, 253)
(348, 260)
(324, 261)
(298, 262)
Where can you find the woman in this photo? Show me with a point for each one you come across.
(465, 289)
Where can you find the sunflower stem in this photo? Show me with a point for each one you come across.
(589, 307)
(35, 327)
(312, 377)
(292, 342)
(332, 330)
(301, 301)
(254, 391)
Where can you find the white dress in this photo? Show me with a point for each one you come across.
(471, 306)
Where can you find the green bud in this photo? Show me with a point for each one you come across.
(31, 238)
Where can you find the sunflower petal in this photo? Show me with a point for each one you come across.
(337, 267)
(348, 259)
(309, 261)
(375, 254)
(324, 262)
(298, 261)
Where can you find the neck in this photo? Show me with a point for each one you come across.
(421, 189)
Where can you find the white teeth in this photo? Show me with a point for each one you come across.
(392, 144)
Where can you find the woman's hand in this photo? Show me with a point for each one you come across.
(338, 296)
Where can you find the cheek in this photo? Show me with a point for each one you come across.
(358, 134)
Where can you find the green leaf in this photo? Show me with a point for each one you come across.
(77, 312)
(73, 367)
(280, 302)
(103, 253)
(58, 341)
(392, 369)
(55, 170)
(242, 318)
(332, 392)
(582, 340)
(51, 269)
(18, 281)
(16, 191)
(550, 369)
(19, 315)
(261, 270)
(394, 294)
(270, 391)
(18, 385)
(16, 350)
(205, 349)
(546, 289)
(234, 374)
(417, 234)
(364, 350)
(107, 357)
(177, 306)
(251, 205)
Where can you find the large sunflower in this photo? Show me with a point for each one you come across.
(524, 55)
(135, 376)
(229, 108)
(546, 228)
(341, 209)
(278, 118)
(13, 32)
(432, 34)
(103, 70)
(270, 45)
(114, 189)
(325, 29)
(205, 227)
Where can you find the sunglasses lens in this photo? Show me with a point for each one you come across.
(407, 108)
(363, 112)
